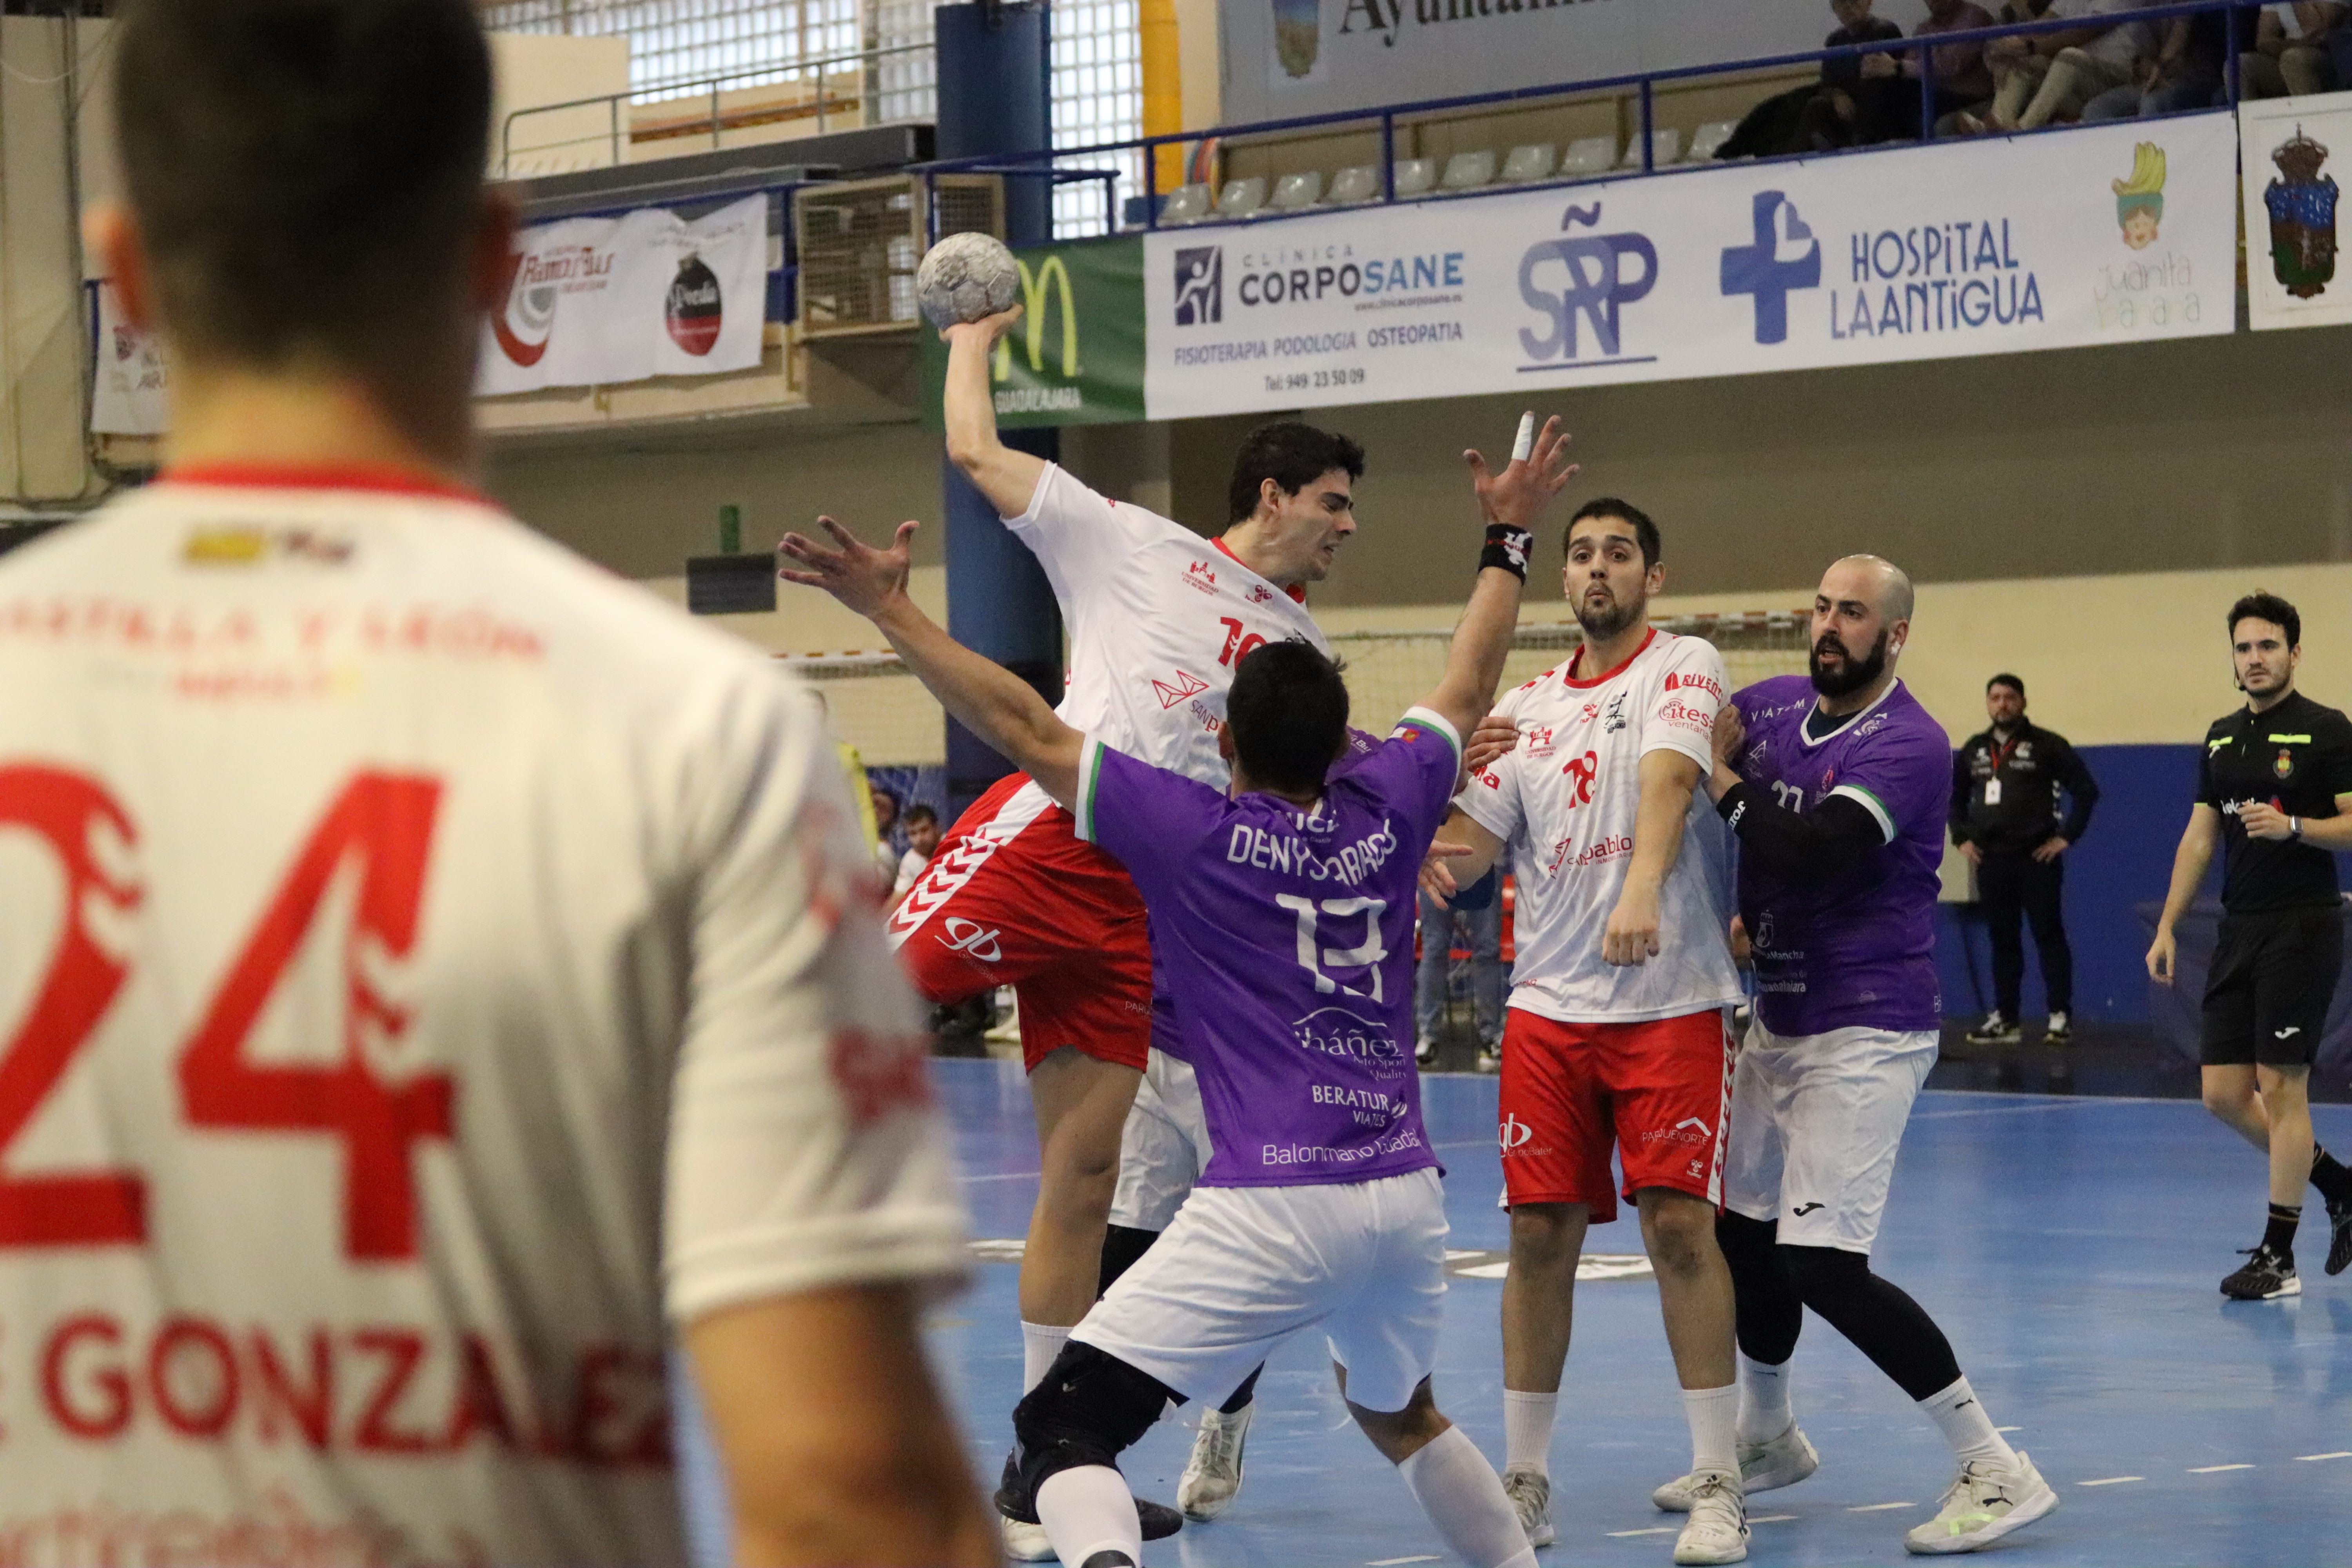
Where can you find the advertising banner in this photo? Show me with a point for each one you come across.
(131, 392)
(2294, 147)
(2092, 236)
(1075, 357)
(599, 301)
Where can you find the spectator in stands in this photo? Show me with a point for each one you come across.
(2293, 45)
(2005, 787)
(2043, 76)
(1816, 118)
(2185, 72)
(923, 843)
(889, 833)
(1962, 82)
(1479, 908)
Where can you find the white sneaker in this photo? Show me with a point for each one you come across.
(1425, 1052)
(1763, 1467)
(1213, 1474)
(1025, 1542)
(1985, 1502)
(1531, 1495)
(1717, 1531)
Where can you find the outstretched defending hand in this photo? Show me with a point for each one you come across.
(863, 578)
(1436, 876)
(988, 329)
(1518, 495)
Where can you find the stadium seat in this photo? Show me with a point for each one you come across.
(1184, 205)
(1355, 185)
(1243, 198)
(1468, 171)
(1415, 176)
(1665, 146)
(1528, 162)
(1294, 192)
(1709, 138)
(1589, 156)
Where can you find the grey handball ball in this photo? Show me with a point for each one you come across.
(965, 277)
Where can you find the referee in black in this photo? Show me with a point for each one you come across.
(2005, 787)
(2275, 785)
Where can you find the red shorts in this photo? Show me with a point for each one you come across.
(1013, 897)
(1660, 1091)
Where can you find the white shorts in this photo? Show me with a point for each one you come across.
(1815, 1124)
(1163, 1149)
(1243, 1269)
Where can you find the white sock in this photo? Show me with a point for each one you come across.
(1960, 1415)
(1714, 1418)
(1040, 1343)
(1764, 1409)
(1464, 1497)
(1087, 1510)
(1526, 1430)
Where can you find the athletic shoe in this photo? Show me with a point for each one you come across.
(1025, 1542)
(2059, 1031)
(2340, 1234)
(1489, 1059)
(1987, 1501)
(1425, 1052)
(1763, 1468)
(1531, 1495)
(1996, 1030)
(1214, 1472)
(1018, 1509)
(1717, 1531)
(2266, 1277)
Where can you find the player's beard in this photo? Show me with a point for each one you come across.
(1855, 673)
(1607, 621)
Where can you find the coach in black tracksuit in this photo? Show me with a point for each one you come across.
(2005, 787)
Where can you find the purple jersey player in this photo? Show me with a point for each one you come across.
(1837, 788)
(1282, 922)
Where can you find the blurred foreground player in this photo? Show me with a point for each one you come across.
(411, 895)
(1837, 789)
(2274, 786)
(1321, 1206)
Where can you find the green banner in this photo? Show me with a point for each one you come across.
(1075, 357)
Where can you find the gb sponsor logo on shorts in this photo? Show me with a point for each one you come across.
(1513, 1134)
(974, 940)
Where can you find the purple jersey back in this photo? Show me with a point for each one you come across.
(1286, 940)
(1857, 949)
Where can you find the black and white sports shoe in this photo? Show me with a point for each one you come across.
(1025, 1538)
(2340, 1234)
(2266, 1277)
(1996, 1030)
(2059, 1031)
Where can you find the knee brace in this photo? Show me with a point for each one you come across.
(1088, 1409)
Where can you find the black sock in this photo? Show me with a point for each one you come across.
(1243, 1395)
(2278, 1236)
(2330, 1175)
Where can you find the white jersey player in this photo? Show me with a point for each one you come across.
(422, 951)
(1615, 1033)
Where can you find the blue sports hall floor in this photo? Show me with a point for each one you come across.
(2069, 1245)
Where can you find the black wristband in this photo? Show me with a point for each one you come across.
(1732, 806)
(1506, 547)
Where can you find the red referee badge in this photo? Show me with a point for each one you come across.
(2284, 765)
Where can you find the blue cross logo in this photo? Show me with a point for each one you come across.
(1768, 270)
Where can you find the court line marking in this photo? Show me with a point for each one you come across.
(1393, 1562)
(1880, 1507)
(2210, 1470)
(2009, 1428)
(1770, 1518)
(1997, 1110)
(1004, 1176)
(2340, 1454)
(1657, 1530)
(2111, 1482)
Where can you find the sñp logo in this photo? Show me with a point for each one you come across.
(1201, 286)
(1784, 257)
(1597, 286)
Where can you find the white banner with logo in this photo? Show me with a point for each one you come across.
(599, 301)
(2294, 148)
(131, 395)
(2083, 236)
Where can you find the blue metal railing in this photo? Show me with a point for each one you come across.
(1642, 84)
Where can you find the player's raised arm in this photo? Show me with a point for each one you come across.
(1513, 502)
(986, 698)
(1007, 477)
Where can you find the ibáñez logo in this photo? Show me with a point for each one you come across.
(1336, 1032)
(1784, 257)
(1200, 286)
(1597, 286)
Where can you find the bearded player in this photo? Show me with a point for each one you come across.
(447, 951)
(1838, 788)
(1158, 618)
(1616, 1034)
(1321, 1207)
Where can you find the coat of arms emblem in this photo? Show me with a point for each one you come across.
(2303, 218)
